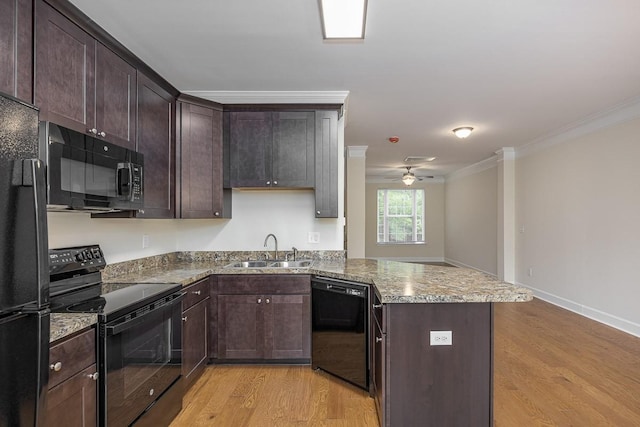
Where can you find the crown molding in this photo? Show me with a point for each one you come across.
(271, 97)
(473, 169)
(505, 153)
(620, 113)
(357, 150)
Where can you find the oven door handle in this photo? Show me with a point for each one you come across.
(121, 327)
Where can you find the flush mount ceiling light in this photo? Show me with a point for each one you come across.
(463, 132)
(343, 19)
(408, 177)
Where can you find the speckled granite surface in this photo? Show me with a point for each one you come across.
(396, 282)
(63, 325)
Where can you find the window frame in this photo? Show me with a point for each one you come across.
(414, 216)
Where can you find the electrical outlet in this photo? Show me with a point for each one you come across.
(145, 241)
(440, 338)
(314, 237)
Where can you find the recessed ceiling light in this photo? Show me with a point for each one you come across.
(343, 19)
(418, 159)
(463, 132)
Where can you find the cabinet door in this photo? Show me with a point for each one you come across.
(156, 142)
(65, 71)
(240, 326)
(287, 327)
(194, 340)
(251, 135)
(378, 371)
(72, 403)
(326, 164)
(201, 161)
(16, 48)
(293, 155)
(115, 98)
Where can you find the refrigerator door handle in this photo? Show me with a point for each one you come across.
(32, 220)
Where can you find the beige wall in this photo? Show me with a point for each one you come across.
(471, 203)
(433, 250)
(355, 205)
(579, 204)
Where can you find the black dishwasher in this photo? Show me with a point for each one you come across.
(340, 329)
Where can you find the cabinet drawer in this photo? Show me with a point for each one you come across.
(71, 356)
(196, 292)
(265, 284)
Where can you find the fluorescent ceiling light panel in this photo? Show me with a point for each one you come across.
(343, 19)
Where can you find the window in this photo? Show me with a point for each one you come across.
(401, 216)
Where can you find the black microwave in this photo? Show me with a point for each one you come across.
(87, 173)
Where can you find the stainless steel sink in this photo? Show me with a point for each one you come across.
(270, 264)
(291, 264)
(247, 264)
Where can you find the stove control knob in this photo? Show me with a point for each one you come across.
(79, 257)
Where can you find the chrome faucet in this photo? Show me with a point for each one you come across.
(276, 242)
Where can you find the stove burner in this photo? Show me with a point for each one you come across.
(94, 305)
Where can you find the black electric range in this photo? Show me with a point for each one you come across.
(139, 348)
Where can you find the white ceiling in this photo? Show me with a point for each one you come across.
(514, 70)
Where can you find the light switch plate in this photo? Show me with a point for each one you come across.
(440, 338)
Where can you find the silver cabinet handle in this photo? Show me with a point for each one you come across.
(56, 366)
(268, 182)
(93, 131)
(216, 214)
(267, 301)
(377, 305)
(102, 134)
(184, 319)
(196, 292)
(141, 211)
(259, 300)
(378, 339)
(317, 212)
(275, 182)
(94, 376)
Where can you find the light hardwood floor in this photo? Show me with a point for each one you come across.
(552, 368)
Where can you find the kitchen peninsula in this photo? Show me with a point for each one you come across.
(412, 380)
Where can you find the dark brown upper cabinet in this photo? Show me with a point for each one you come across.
(201, 162)
(156, 141)
(326, 164)
(271, 149)
(81, 84)
(16, 49)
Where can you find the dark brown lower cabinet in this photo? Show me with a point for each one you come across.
(73, 402)
(415, 383)
(195, 331)
(72, 395)
(264, 318)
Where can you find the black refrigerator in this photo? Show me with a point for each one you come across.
(24, 275)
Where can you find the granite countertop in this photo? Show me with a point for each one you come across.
(63, 324)
(396, 282)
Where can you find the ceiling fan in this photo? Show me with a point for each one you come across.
(408, 178)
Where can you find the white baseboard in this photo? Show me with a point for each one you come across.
(462, 264)
(583, 310)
